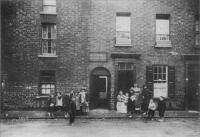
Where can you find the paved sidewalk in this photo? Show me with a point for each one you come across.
(93, 114)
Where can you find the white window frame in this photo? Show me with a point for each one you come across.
(123, 33)
(160, 81)
(48, 42)
(47, 88)
(49, 6)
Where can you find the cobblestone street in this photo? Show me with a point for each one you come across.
(100, 128)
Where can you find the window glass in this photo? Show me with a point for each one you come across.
(123, 24)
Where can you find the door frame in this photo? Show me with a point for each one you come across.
(103, 73)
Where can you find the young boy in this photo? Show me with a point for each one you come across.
(161, 108)
(151, 109)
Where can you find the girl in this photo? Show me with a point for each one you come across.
(151, 109)
(120, 102)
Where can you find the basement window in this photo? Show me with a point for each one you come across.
(47, 81)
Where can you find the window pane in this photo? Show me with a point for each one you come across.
(49, 2)
(53, 31)
(48, 91)
(44, 32)
(48, 86)
(44, 46)
(43, 86)
(49, 9)
(43, 91)
(52, 86)
(123, 23)
(162, 26)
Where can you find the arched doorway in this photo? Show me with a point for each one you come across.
(99, 88)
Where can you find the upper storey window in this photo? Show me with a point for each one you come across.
(48, 39)
(163, 30)
(123, 29)
(49, 6)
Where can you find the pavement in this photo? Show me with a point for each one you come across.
(100, 128)
(93, 114)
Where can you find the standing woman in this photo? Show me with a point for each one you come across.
(146, 95)
(59, 102)
(120, 102)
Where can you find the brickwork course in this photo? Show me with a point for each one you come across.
(85, 27)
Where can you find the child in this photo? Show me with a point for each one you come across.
(52, 102)
(151, 109)
(161, 108)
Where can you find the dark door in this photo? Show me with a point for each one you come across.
(193, 89)
(99, 91)
(125, 80)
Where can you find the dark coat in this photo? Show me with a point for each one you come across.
(161, 106)
(146, 95)
(66, 101)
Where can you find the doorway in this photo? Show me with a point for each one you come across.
(193, 87)
(99, 88)
(126, 76)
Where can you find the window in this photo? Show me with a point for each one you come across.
(48, 39)
(160, 79)
(123, 23)
(163, 30)
(49, 6)
(197, 41)
(162, 27)
(47, 81)
(125, 66)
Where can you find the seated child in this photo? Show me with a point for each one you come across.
(151, 109)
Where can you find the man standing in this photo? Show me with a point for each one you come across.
(72, 109)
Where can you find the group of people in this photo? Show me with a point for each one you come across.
(138, 102)
(71, 103)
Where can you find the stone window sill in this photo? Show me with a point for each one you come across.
(48, 13)
(123, 45)
(47, 56)
(163, 44)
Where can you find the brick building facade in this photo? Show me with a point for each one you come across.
(104, 45)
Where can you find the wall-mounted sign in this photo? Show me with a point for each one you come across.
(98, 56)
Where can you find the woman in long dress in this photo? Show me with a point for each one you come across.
(121, 108)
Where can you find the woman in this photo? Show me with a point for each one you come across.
(120, 102)
(59, 102)
(84, 106)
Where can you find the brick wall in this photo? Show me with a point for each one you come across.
(143, 15)
(85, 26)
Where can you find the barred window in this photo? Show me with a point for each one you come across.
(48, 39)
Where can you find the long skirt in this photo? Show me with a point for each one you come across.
(121, 107)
